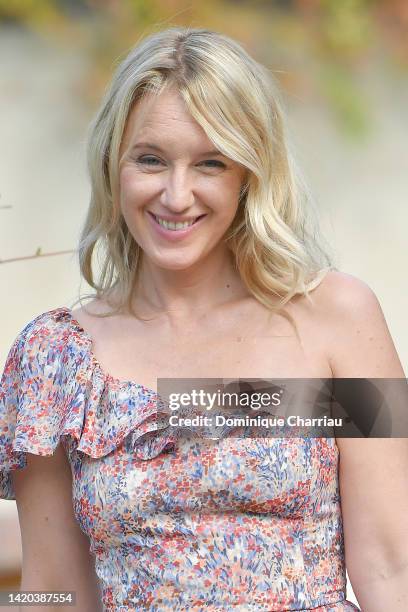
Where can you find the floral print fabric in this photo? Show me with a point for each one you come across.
(243, 524)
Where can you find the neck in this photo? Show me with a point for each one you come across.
(181, 294)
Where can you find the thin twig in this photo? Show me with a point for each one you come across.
(2, 261)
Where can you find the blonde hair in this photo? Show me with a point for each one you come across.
(236, 101)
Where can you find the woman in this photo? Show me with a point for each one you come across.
(209, 270)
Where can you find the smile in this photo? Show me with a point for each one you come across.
(175, 230)
(172, 225)
(176, 225)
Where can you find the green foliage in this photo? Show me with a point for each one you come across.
(347, 100)
(347, 27)
(29, 11)
(323, 42)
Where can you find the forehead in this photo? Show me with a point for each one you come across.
(164, 117)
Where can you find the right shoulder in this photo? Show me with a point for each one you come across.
(55, 319)
(44, 373)
(46, 330)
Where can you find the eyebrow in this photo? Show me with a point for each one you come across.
(150, 145)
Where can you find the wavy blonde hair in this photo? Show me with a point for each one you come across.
(274, 236)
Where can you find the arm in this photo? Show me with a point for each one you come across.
(374, 501)
(55, 550)
(373, 473)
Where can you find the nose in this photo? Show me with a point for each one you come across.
(177, 194)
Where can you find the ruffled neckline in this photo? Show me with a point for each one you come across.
(55, 387)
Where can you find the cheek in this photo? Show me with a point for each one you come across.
(134, 190)
(222, 194)
(137, 189)
(228, 196)
(231, 186)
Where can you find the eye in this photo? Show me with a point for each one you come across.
(218, 163)
(151, 160)
(148, 159)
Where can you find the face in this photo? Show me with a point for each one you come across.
(178, 195)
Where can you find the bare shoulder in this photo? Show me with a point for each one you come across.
(336, 295)
(358, 341)
(340, 293)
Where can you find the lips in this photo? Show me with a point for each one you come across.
(173, 234)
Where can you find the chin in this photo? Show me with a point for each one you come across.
(176, 259)
(176, 265)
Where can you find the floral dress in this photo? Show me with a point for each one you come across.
(243, 524)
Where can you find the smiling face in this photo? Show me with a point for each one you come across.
(170, 174)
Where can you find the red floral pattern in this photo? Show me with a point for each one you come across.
(247, 524)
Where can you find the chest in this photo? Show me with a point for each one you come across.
(243, 345)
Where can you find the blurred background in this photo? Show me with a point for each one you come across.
(343, 69)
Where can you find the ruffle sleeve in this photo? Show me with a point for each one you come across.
(53, 389)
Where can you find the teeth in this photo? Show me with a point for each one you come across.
(173, 226)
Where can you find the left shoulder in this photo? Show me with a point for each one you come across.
(342, 293)
(358, 341)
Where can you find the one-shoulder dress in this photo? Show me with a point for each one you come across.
(236, 524)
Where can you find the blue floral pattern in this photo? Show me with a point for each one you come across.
(250, 524)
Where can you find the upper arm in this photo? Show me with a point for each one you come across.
(373, 480)
(358, 341)
(55, 550)
(373, 473)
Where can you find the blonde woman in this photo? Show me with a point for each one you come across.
(210, 267)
